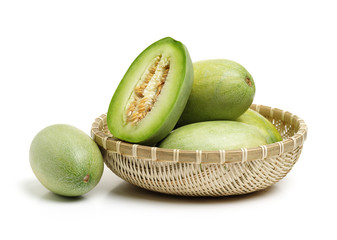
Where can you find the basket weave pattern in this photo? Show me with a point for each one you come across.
(213, 173)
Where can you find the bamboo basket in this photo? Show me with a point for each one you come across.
(205, 173)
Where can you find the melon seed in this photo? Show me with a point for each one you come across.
(147, 90)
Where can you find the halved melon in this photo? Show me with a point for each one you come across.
(152, 94)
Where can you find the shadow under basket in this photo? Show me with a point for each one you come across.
(205, 173)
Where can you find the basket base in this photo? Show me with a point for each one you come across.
(187, 179)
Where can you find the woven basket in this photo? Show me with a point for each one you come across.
(205, 173)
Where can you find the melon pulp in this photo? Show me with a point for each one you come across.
(152, 94)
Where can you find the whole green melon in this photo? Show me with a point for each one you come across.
(66, 160)
(222, 90)
(214, 135)
(266, 128)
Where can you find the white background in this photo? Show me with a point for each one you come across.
(60, 62)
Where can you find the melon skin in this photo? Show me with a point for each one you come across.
(222, 90)
(164, 115)
(214, 135)
(66, 160)
(266, 128)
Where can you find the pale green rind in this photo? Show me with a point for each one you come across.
(213, 135)
(170, 104)
(219, 92)
(61, 156)
(267, 129)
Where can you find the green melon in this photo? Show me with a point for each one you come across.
(222, 90)
(152, 94)
(214, 135)
(66, 160)
(266, 128)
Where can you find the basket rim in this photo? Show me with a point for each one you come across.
(110, 143)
